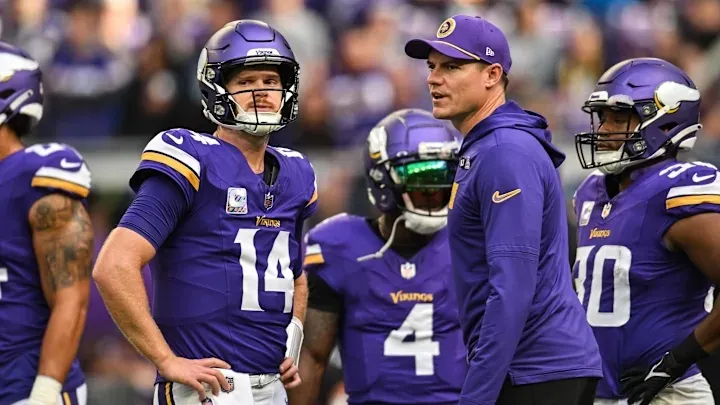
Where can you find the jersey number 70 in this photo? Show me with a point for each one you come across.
(622, 256)
(620, 313)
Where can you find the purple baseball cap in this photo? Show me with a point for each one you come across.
(465, 37)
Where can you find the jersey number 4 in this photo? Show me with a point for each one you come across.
(279, 256)
(420, 322)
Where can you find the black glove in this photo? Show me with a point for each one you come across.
(644, 383)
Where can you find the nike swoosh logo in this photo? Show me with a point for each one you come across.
(659, 374)
(698, 179)
(497, 198)
(69, 165)
(178, 140)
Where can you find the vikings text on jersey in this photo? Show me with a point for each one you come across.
(399, 335)
(223, 278)
(641, 298)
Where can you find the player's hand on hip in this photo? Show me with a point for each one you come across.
(289, 373)
(194, 373)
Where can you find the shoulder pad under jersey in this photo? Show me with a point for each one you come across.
(60, 167)
(691, 188)
(177, 153)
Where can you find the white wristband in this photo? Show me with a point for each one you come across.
(294, 340)
(45, 391)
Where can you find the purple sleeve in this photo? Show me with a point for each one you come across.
(173, 154)
(320, 260)
(312, 204)
(156, 209)
(696, 191)
(510, 191)
(298, 260)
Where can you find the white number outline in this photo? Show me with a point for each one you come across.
(203, 139)
(620, 314)
(3, 278)
(420, 322)
(45, 150)
(289, 152)
(279, 255)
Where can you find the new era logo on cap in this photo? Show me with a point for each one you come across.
(465, 37)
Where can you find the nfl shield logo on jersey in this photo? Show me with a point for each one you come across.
(269, 199)
(231, 383)
(236, 201)
(407, 270)
(606, 210)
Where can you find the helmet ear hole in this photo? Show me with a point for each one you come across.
(377, 176)
(21, 124)
(668, 127)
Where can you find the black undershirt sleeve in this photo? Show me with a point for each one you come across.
(321, 296)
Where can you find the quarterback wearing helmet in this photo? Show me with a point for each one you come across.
(219, 219)
(647, 236)
(381, 287)
(46, 247)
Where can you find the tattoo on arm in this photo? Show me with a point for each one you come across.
(63, 241)
(320, 331)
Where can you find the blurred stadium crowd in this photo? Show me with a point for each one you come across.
(119, 71)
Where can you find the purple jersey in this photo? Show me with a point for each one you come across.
(400, 338)
(641, 299)
(27, 176)
(223, 280)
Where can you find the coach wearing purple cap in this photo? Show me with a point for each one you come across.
(526, 335)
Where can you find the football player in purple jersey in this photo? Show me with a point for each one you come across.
(380, 287)
(219, 219)
(46, 248)
(648, 245)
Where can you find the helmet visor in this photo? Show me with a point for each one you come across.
(427, 183)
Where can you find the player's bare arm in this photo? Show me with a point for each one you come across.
(63, 243)
(118, 276)
(697, 236)
(320, 335)
(300, 298)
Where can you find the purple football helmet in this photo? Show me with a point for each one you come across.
(21, 92)
(246, 43)
(410, 167)
(662, 96)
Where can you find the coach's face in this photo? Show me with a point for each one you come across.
(457, 86)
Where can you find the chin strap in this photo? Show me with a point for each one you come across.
(386, 246)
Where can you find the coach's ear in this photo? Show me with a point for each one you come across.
(492, 74)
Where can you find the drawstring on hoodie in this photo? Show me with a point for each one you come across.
(386, 246)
